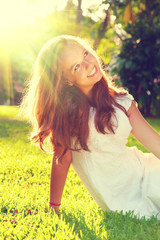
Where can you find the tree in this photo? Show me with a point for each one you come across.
(79, 11)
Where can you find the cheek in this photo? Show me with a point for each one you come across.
(78, 80)
(69, 75)
(92, 58)
(81, 77)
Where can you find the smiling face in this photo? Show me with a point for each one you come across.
(80, 67)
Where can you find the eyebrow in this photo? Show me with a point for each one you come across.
(83, 49)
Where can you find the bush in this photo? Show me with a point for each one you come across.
(138, 62)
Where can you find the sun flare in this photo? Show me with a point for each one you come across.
(13, 14)
(18, 13)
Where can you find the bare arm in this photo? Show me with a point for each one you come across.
(143, 132)
(58, 177)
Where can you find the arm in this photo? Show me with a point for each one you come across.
(143, 132)
(58, 177)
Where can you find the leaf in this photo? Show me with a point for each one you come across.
(129, 14)
(144, 84)
(121, 63)
(128, 64)
(142, 6)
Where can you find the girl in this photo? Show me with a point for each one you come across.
(88, 121)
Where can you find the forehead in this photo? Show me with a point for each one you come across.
(71, 53)
(71, 48)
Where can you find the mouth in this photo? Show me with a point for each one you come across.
(93, 72)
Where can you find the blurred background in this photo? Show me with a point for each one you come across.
(125, 33)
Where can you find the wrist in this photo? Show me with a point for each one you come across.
(54, 204)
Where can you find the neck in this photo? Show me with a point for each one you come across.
(88, 93)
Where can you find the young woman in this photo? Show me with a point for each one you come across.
(88, 121)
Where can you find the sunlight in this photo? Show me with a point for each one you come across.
(13, 14)
(20, 22)
(18, 13)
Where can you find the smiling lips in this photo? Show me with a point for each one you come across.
(94, 71)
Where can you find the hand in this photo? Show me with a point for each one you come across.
(53, 209)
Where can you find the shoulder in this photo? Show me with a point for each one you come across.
(143, 132)
(125, 100)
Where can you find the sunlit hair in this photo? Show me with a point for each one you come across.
(60, 111)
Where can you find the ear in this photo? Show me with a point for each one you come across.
(69, 82)
(66, 80)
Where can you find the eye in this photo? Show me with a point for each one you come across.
(85, 53)
(76, 67)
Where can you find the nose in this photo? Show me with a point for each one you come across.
(88, 63)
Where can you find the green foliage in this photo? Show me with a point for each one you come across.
(24, 191)
(139, 58)
(107, 47)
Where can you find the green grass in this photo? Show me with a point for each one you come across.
(24, 195)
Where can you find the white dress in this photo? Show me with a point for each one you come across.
(119, 177)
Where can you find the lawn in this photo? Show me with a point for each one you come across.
(24, 195)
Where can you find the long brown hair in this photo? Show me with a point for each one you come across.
(60, 111)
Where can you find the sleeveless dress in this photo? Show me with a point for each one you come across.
(118, 177)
